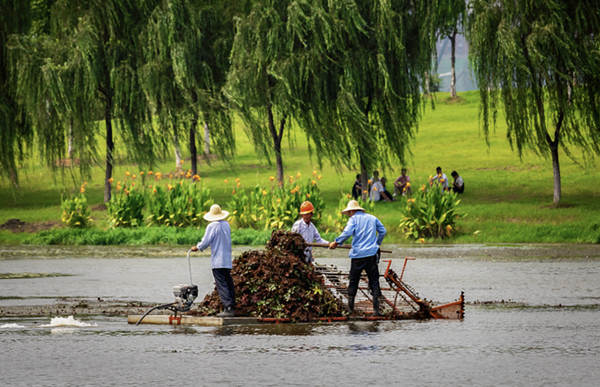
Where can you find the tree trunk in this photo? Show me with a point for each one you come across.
(193, 150)
(110, 146)
(556, 170)
(277, 136)
(178, 162)
(453, 65)
(206, 139)
(364, 180)
(70, 142)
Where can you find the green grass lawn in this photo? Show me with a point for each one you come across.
(506, 199)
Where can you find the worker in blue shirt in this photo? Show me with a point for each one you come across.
(218, 238)
(367, 233)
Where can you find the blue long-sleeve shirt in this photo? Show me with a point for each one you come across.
(218, 237)
(367, 233)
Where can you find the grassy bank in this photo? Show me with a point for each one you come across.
(506, 199)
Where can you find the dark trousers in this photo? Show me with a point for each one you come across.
(369, 265)
(224, 284)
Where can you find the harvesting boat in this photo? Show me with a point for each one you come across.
(311, 293)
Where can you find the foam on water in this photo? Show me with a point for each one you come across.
(11, 325)
(66, 322)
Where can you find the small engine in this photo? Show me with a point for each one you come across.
(184, 296)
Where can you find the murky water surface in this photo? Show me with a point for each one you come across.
(533, 319)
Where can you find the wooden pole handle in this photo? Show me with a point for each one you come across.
(340, 247)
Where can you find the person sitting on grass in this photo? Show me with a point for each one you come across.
(441, 178)
(357, 188)
(402, 184)
(458, 185)
(385, 194)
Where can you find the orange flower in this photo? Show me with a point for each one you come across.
(127, 173)
(141, 173)
(315, 172)
(154, 190)
(226, 181)
(169, 187)
(188, 175)
(271, 178)
(170, 175)
(298, 175)
(422, 189)
(308, 196)
(150, 172)
(237, 179)
(264, 192)
(319, 177)
(82, 189)
(233, 192)
(110, 180)
(448, 229)
(133, 176)
(196, 178)
(421, 240)
(313, 182)
(238, 185)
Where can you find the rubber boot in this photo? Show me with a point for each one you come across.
(376, 306)
(227, 312)
(351, 304)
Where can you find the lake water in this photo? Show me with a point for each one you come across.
(532, 318)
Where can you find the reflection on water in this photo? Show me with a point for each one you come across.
(528, 322)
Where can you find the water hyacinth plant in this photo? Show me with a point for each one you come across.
(430, 213)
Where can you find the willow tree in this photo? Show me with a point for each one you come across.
(15, 132)
(361, 98)
(259, 55)
(541, 59)
(108, 42)
(187, 58)
(51, 88)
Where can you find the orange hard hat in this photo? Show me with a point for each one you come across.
(306, 208)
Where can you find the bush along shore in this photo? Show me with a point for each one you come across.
(143, 236)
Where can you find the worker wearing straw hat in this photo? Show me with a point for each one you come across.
(218, 238)
(307, 229)
(367, 233)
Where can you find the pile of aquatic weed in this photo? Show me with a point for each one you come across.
(277, 283)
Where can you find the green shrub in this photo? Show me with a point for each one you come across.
(274, 207)
(125, 208)
(75, 212)
(179, 205)
(430, 213)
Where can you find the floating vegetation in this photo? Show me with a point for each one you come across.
(277, 283)
(31, 275)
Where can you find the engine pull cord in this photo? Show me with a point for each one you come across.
(190, 265)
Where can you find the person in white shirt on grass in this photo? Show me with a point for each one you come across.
(307, 229)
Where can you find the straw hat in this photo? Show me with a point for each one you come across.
(353, 206)
(215, 213)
